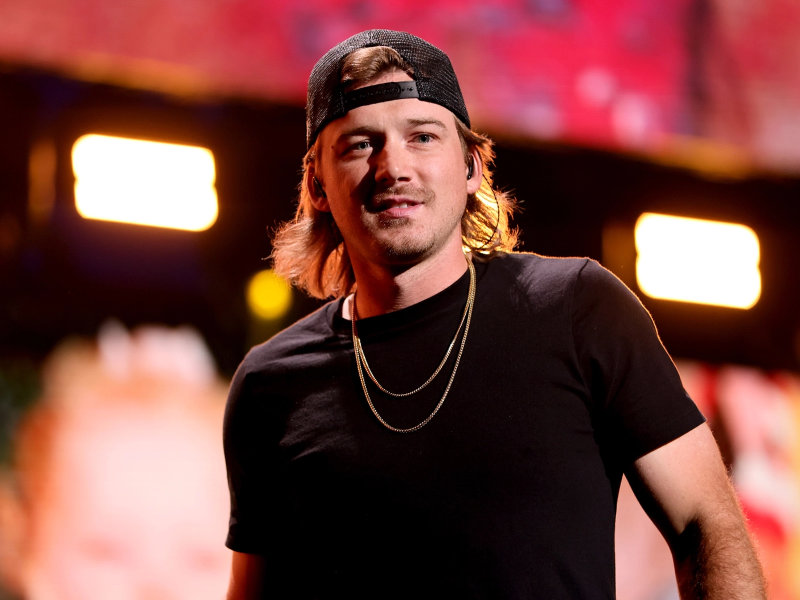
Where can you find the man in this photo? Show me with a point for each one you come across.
(456, 422)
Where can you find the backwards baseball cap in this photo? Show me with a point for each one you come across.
(433, 81)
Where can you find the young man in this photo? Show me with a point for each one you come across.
(456, 422)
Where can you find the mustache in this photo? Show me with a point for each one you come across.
(407, 192)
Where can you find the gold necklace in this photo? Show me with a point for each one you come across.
(362, 365)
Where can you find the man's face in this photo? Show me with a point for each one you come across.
(395, 180)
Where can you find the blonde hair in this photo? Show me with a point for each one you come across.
(309, 250)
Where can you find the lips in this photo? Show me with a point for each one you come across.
(396, 201)
(397, 209)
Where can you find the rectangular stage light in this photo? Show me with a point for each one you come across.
(144, 182)
(694, 260)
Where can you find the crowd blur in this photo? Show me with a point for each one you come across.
(755, 416)
(116, 484)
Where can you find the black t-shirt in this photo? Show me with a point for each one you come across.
(509, 492)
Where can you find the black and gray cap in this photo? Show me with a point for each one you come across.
(433, 81)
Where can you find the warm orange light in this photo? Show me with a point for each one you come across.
(144, 182)
(694, 260)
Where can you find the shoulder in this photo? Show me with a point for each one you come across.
(545, 277)
(302, 336)
(577, 287)
(275, 366)
(573, 273)
(526, 267)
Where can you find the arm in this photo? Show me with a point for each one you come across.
(247, 577)
(684, 488)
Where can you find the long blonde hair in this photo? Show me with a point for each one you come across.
(309, 251)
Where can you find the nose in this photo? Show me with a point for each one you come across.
(392, 163)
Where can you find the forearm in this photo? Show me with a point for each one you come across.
(247, 577)
(717, 560)
(685, 489)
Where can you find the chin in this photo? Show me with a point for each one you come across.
(408, 250)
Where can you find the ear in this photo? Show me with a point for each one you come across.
(476, 178)
(316, 191)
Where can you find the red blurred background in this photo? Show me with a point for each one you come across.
(601, 111)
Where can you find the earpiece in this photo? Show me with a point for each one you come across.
(470, 167)
(320, 191)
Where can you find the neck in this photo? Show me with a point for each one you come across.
(382, 290)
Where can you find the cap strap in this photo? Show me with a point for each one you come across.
(383, 92)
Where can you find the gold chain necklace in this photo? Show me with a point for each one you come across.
(362, 365)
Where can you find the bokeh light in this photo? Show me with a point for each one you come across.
(144, 182)
(695, 260)
(269, 297)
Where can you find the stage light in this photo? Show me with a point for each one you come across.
(144, 182)
(694, 260)
(269, 296)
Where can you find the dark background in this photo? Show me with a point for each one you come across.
(63, 275)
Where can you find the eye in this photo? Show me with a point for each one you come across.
(424, 138)
(354, 148)
(360, 146)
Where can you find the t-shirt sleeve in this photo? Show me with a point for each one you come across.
(244, 440)
(635, 388)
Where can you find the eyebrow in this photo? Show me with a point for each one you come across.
(367, 130)
(363, 130)
(418, 122)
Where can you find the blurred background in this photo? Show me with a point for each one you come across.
(687, 111)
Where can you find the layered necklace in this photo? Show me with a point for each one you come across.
(362, 366)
